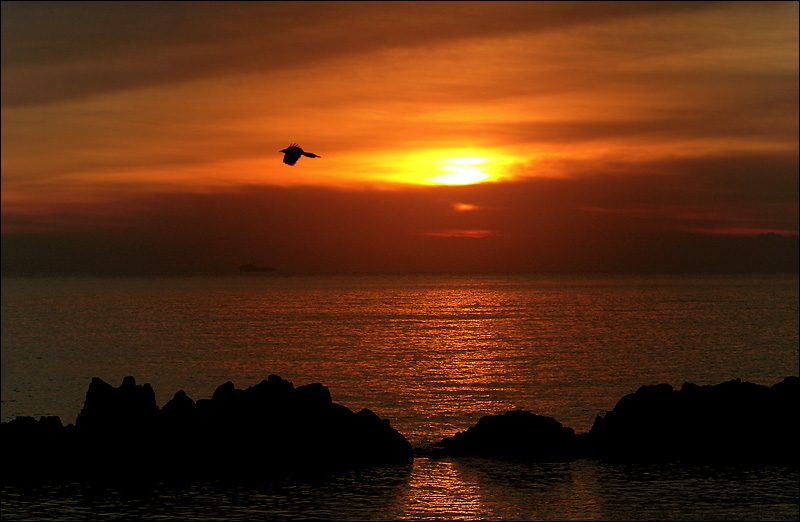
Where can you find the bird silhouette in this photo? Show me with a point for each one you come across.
(293, 152)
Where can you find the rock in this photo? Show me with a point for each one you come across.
(312, 397)
(109, 410)
(730, 422)
(273, 429)
(179, 407)
(33, 448)
(265, 431)
(516, 434)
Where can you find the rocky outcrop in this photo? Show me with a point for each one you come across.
(273, 429)
(515, 434)
(110, 411)
(731, 422)
(268, 430)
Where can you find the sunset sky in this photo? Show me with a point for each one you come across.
(144, 137)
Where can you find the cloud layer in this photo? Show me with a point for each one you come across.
(145, 137)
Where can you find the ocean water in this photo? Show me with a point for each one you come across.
(430, 352)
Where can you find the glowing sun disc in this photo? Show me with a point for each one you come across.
(461, 178)
(462, 174)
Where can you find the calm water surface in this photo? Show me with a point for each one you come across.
(432, 353)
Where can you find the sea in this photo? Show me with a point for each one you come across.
(432, 353)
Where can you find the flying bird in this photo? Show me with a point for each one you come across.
(293, 152)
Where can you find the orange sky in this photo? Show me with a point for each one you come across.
(144, 137)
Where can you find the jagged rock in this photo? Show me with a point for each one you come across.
(180, 406)
(273, 428)
(35, 448)
(264, 431)
(108, 410)
(515, 434)
(733, 421)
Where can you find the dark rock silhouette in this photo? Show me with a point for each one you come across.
(515, 434)
(37, 450)
(108, 410)
(731, 422)
(263, 432)
(273, 429)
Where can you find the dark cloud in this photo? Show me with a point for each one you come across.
(610, 224)
(55, 51)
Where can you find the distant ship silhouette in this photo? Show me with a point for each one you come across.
(256, 268)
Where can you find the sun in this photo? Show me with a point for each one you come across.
(462, 171)
(465, 166)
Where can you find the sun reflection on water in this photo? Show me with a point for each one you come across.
(473, 488)
(436, 487)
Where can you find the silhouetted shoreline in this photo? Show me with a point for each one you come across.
(274, 429)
